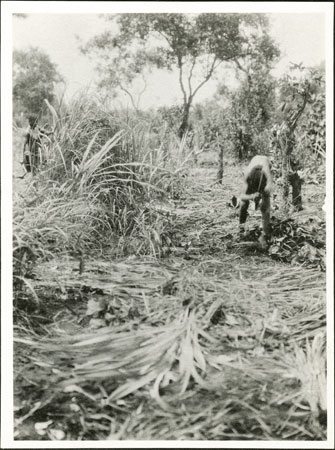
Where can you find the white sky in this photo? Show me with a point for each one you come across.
(300, 37)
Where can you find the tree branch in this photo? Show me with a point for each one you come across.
(180, 66)
(209, 74)
(165, 37)
(240, 66)
(190, 76)
(296, 118)
(142, 91)
(130, 96)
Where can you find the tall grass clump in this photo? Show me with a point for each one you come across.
(102, 172)
(120, 158)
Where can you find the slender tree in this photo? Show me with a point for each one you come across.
(195, 45)
(297, 90)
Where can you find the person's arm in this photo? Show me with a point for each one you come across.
(246, 197)
(268, 186)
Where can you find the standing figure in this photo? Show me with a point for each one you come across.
(32, 149)
(257, 187)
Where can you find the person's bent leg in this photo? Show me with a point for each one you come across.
(265, 210)
(243, 214)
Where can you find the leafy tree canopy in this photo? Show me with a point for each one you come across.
(194, 44)
(298, 88)
(34, 78)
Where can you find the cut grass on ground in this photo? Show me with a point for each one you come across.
(212, 342)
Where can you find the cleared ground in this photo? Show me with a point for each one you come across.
(214, 341)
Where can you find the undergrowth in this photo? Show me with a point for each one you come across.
(211, 342)
(297, 242)
(97, 188)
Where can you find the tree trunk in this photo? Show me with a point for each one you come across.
(285, 181)
(196, 146)
(240, 145)
(165, 146)
(296, 182)
(286, 151)
(285, 172)
(220, 171)
(290, 175)
(184, 124)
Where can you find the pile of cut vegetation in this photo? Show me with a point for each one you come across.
(298, 241)
(302, 241)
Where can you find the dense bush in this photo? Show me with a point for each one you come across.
(312, 129)
(210, 122)
(251, 114)
(103, 171)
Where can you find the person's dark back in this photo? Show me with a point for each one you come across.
(256, 180)
(32, 149)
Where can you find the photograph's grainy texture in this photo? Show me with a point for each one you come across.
(169, 227)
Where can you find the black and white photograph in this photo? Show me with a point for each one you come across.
(167, 224)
